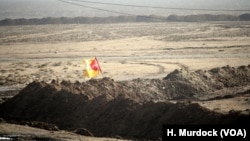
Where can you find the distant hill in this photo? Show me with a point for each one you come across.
(244, 17)
(123, 19)
(203, 17)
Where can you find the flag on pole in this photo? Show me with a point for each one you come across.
(92, 67)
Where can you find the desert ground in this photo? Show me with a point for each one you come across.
(125, 51)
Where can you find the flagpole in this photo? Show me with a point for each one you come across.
(99, 66)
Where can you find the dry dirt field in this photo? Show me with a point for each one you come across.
(126, 52)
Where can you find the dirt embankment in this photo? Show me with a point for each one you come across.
(214, 79)
(130, 109)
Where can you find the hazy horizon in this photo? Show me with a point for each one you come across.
(54, 8)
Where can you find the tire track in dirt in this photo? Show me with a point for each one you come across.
(214, 47)
(182, 66)
(38, 35)
(160, 67)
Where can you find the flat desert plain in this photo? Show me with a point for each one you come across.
(125, 51)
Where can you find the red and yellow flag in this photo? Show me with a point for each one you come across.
(92, 67)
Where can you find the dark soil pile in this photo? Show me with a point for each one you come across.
(128, 109)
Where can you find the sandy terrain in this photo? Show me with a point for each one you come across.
(125, 52)
(22, 132)
(136, 50)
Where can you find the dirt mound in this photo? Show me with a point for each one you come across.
(105, 115)
(128, 109)
(214, 79)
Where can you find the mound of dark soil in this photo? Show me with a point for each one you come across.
(128, 109)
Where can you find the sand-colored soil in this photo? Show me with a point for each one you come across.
(22, 132)
(125, 52)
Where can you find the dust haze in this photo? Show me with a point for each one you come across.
(54, 8)
(154, 73)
